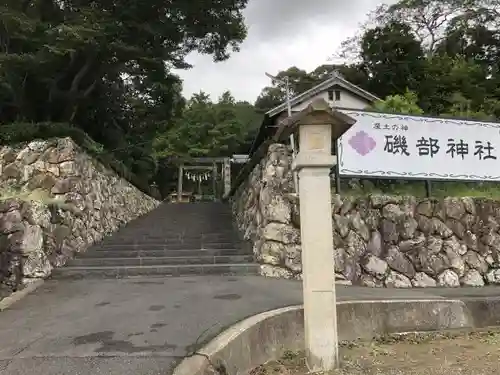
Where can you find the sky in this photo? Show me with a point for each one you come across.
(281, 34)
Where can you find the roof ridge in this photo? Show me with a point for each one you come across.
(334, 77)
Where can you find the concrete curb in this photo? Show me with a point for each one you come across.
(16, 296)
(269, 335)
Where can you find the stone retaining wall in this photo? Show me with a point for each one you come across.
(379, 240)
(65, 202)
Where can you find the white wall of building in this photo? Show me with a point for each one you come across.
(347, 100)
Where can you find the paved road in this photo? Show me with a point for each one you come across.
(144, 326)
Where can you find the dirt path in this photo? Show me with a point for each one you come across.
(475, 353)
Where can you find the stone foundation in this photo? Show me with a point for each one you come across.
(379, 241)
(62, 202)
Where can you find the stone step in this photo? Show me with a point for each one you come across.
(177, 217)
(146, 232)
(151, 271)
(156, 261)
(172, 226)
(172, 240)
(165, 246)
(200, 213)
(150, 253)
(180, 215)
(165, 241)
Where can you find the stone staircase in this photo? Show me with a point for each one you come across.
(172, 240)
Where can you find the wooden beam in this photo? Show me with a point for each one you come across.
(227, 176)
(207, 160)
(180, 176)
(196, 160)
(214, 180)
(197, 167)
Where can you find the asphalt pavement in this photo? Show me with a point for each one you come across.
(146, 326)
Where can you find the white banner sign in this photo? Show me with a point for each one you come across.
(402, 146)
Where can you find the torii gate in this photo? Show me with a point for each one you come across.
(208, 164)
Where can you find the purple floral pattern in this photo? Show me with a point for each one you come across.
(362, 143)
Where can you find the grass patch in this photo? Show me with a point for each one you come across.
(439, 189)
(466, 353)
(39, 196)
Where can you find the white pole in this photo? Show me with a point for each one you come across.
(288, 104)
(292, 140)
(313, 163)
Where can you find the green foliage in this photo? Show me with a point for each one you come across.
(461, 107)
(209, 129)
(432, 57)
(393, 59)
(439, 189)
(105, 67)
(300, 81)
(427, 19)
(448, 76)
(446, 52)
(406, 103)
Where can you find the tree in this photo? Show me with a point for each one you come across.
(463, 108)
(445, 76)
(272, 96)
(208, 129)
(269, 98)
(447, 52)
(67, 49)
(105, 67)
(427, 19)
(301, 81)
(406, 103)
(393, 59)
(475, 35)
(250, 120)
(354, 73)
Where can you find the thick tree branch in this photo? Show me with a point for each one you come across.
(75, 84)
(90, 89)
(54, 87)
